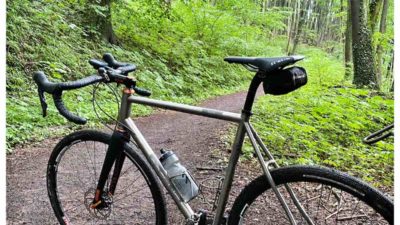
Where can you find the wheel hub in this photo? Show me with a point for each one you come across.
(102, 209)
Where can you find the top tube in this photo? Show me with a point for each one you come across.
(207, 112)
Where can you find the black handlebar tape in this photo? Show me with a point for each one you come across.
(127, 69)
(97, 63)
(112, 62)
(70, 85)
(64, 111)
(43, 83)
(142, 92)
(50, 87)
(56, 90)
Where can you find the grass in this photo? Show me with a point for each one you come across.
(324, 122)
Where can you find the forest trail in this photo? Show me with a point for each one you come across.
(193, 138)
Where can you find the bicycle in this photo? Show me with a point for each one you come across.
(294, 194)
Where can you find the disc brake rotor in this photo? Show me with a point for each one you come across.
(102, 211)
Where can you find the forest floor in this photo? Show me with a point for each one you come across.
(197, 141)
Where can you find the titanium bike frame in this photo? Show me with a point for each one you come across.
(127, 125)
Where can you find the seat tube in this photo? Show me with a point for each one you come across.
(251, 94)
(230, 172)
(236, 149)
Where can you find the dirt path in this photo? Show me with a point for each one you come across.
(196, 140)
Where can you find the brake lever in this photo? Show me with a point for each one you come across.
(42, 102)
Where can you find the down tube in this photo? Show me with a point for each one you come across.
(158, 168)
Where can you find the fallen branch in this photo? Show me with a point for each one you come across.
(210, 168)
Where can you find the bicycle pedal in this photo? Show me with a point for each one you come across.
(202, 218)
(206, 219)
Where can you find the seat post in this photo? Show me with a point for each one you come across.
(251, 94)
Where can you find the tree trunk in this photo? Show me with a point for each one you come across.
(302, 19)
(105, 23)
(292, 26)
(382, 27)
(347, 45)
(321, 24)
(363, 60)
(265, 6)
(374, 10)
(379, 50)
(389, 74)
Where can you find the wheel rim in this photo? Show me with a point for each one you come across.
(78, 167)
(323, 203)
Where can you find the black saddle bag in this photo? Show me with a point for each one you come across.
(285, 80)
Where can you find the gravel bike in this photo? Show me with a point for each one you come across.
(123, 179)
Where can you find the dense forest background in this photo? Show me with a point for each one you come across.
(179, 48)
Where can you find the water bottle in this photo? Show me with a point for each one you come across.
(179, 176)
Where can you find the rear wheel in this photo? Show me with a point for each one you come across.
(328, 197)
(72, 174)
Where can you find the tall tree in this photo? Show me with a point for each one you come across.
(390, 71)
(347, 44)
(302, 18)
(379, 51)
(292, 24)
(105, 23)
(374, 12)
(363, 59)
(99, 14)
(264, 6)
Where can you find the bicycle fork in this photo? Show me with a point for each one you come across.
(255, 141)
(114, 155)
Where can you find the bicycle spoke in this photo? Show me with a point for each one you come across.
(324, 204)
(77, 176)
(134, 192)
(75, 206)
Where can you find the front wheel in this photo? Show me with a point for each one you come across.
(72, 174)
(328, 197)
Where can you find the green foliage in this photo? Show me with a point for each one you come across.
(179, 54)
(179, 51)
(324, 122)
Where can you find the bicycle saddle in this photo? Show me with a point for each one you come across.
(264, 64)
